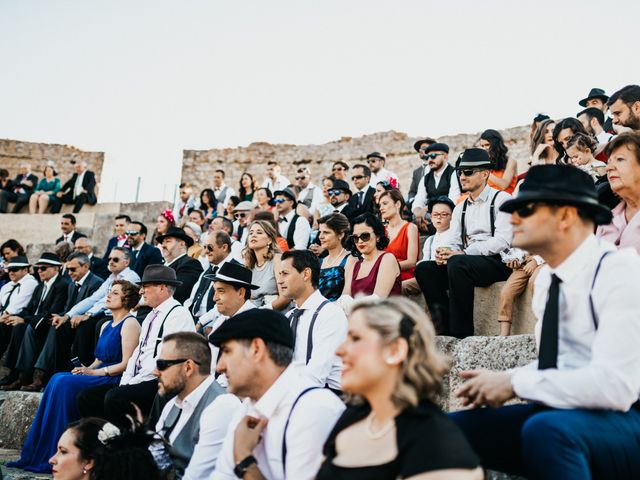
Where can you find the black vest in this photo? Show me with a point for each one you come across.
(291, 230)
(442, 188)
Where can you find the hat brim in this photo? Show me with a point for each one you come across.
(160, 281)
(601, 214)
(284, 194)
(47, 262)
(232, 281)
(583, 102)
(17, 265)
(185, 238)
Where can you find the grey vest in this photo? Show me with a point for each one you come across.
(309, 198)
(184, 444)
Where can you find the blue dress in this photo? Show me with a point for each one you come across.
(58, 405)
(331, 281)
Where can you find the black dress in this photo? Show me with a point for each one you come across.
(427, 440)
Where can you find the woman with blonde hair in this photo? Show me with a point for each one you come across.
(392, 428)
(262, 257)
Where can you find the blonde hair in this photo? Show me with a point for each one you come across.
(421, 373)
(250, 256)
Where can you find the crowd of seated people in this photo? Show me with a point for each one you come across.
(259, 332)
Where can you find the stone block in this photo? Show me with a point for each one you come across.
(16, 414)
(486, 307)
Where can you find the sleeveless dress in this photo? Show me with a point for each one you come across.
(58, 405)
(265, 278)
(367, 285)
(500, 174)
(331, 282)
(399, 248)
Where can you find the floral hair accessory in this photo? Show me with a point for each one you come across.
(390, 184)
(108, 432)
(168, 214)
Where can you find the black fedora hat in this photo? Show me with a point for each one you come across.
(422, 141)
(474, 158)
(176, 232)
(160, 274)
(376, 155)
(233, 273)
(560, 185)
(19, 261)
(49, 258)
(287, 192)
(341, 185)
(594, 93)
(269, 325)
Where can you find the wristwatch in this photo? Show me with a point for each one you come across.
(242, 466)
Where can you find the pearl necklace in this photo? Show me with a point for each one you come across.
(333, 262)
(382, 432)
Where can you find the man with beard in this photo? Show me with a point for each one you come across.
(479, 232)
(418, 173)
(624, 106)
(339, 195)
(440, 180)
(195, 420)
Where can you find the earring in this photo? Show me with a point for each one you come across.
(84, 471)
(390, 360)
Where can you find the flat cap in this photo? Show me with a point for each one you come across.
(269, 325)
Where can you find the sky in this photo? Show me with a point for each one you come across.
(142, 80)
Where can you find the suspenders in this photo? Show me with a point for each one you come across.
(161, 331)
(594, 316)
(310, 334)
(492, 219)
(286, 427)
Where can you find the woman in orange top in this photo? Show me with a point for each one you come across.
(503, 171)
(404, 237)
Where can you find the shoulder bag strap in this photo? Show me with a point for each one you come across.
(286, 427)
(310, 334)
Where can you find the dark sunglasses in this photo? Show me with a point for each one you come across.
(71, 269)
(279, 200)
(357, 177)
(337, 169)
(334, 193)
(528, 209)
(372, 160)
(467, 172)
(301, 178)
(162, 365)
(364, 237)
(17, 269)
(431, 156)
(208, 248)
(239, 215)
(114, 259)
(132, 233)
(40, 268)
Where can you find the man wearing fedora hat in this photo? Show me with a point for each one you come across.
(584, 419)
(478, 234)
(339, 195)
(257, 350)
(138, 384)
(294, 228)
(31, 325)
(174, 245)
(418, 173)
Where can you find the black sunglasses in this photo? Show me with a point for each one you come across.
(431, 156)
(528, 209)
(467, 172)
(365, 237)
(71, 269)
(114, 259)
(334, 193)
(40, 268)
(357, 177)
(208, 248)
(162, 365)
(239, 215)
(17, 269)
(132, 233)
(337, 169)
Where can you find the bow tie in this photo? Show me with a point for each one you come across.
(282, 219)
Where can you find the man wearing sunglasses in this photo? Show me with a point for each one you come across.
(376, 162)
(142, 254)
(294, 228)
(31, 324)
(439, 180)
(584, 417)
(479, 232)
(362, 199)
(310, 194)
(418, 173)
(195, 420)
(339, 195)
(243, 215)
(339, 170)
(97, 265)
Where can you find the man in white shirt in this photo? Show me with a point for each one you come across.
(221, 191)
(593, 121)
(294, 228)
(280, 429)
(479, 232)
(274, 180)
(584, 420)
(138, 384)
(243, 215)
(319, 326)
(185, 202)
(310, 194)
(376, 162)
(195, 420)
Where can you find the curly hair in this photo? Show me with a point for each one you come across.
(583, 142)
(497, 149)
(378, 230)
(130, 293)
(249, 254)
(421, 373)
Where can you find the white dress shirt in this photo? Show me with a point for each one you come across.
(301, 232)
(316, 199)
(95, 302)
(230, 192)
(203, 305)
(421, 199)
(604, 137)
(478, 224)
(383, 175)
(311, 422)
(77, 188)
(329, 331)
(190, 203)
(21, 296)
(214, 421)
(179, 320)
(432, 243)
(597, 369)
(281, 183)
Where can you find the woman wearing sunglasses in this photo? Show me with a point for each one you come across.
(392, 428)
(371, 271)
(118, 339)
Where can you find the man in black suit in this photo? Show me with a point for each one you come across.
(68, 229)
(339, 194)
(80, 189)
(20, 191)
(120, 237)
(142, 254)
(31, 325)
(362, 200)
(97, 265)
(174, 245)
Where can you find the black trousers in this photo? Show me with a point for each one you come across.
(458, 277)
(85, 339)
(21, 200)
(16, 334)
(114, 402)
(67, 199)
(31, 347)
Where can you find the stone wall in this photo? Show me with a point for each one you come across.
(14, 152)
(198, 165)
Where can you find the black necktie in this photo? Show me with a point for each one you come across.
(548, 355)
(76, 290)
(359, 196)
(134, 255)
(202, 288)
(8, 299)
(210, 301)
(293, 320)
